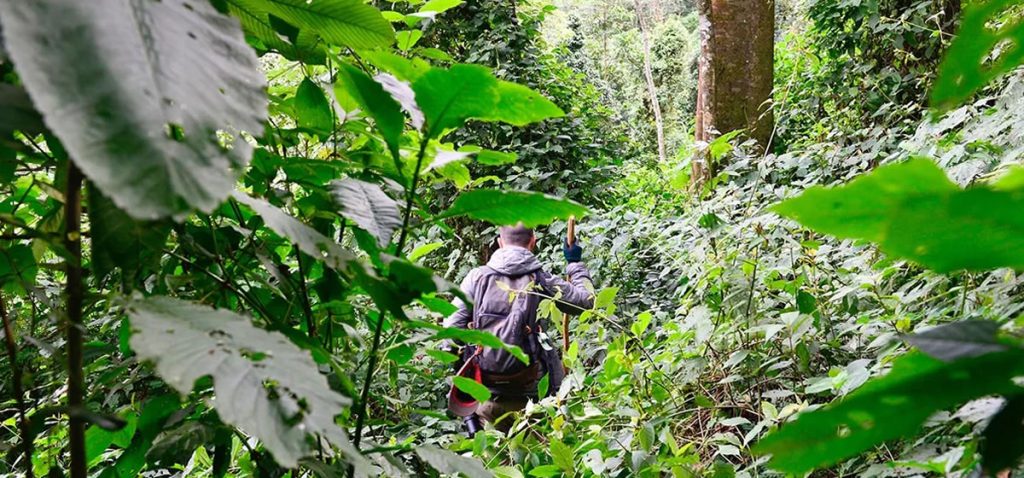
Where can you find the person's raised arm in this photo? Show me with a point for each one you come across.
(576, 293)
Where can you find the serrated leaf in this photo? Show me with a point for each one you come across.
(368, 207)
(312, 110)
(137, 94)
(895, 405)
(967, 65)
(256, 21)
(350, 23)
(913, 211)
(263, 383)
(448, 462)
(479, 392)
(968, 338)
(510, 207)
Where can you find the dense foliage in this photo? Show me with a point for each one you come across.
(229, 230)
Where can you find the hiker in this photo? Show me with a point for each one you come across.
(514, 320)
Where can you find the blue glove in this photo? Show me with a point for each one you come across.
(573, 253)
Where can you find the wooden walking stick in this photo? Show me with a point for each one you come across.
(569, 239)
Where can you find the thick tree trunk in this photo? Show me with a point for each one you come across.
(735, 74)
(652, 91)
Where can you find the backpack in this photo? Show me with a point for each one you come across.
(511, 316)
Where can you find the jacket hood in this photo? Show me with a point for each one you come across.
(514, 261)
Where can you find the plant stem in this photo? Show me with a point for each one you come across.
(76, 381)
(368, 380)
(19, 393)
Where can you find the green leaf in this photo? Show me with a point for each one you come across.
(1001, 446)
(177, 445)
(137, 94)
(312, 110)
(442, 356)
(479, 337)
(17, 112)
(543, 385)
(406, 69)
(424, 249)
(257, 22)
(17, 268)
(967, 338)
(519, 106)
(118, 240)
(262, 382)
(406, 39)
(495, 158)
(350, 23)
(368, 207)
(450, 97)
(448, 462)
(479, 392)
(378, 103)
(642, 322)
(966, 66)
(439, 6)
(893, 406)
(911, 210)
(511, 207)
(563, 456)
(545, 471)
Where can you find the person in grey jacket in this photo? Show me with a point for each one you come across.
(507, 292)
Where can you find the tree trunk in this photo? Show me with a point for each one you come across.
(649, 76)
(734, 74)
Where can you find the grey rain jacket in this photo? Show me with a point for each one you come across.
(499, 308)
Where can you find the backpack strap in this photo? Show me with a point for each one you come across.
(479, 288)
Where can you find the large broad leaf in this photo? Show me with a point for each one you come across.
(913, 211)
(306, 238)
(450, 97)
(149, 98)
(312, 110)
(476, 390)
(118, 240)
(511, 207)
(519, 105)
(889, 407)
(256, 21)
(350, 23)
(262, 382)
(979, 53)
(450, 463)
(968, 338)
(17, 112)
(407, 69)
(366, 205)
(378, 103)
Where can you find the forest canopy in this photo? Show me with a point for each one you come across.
(232, 233)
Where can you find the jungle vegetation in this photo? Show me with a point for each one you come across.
(230, 231)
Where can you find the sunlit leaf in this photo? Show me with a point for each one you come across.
(479, 392)
(312, 110)
(510, 207)
(378, 103)
(911, 210)
(350, 23)
(980, 52)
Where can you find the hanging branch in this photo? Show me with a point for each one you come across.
(19, 393)
(75, 328)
